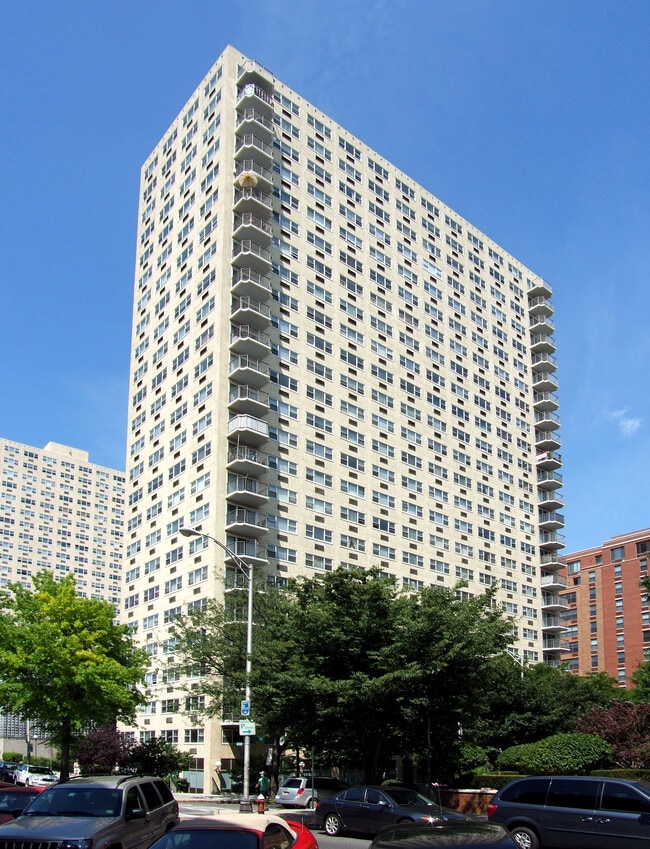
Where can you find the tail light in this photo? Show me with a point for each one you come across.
(300, 792)
(491, 808)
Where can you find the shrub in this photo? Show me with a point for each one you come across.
(561, 754)
(492, 780)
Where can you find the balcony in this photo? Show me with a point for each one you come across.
(246, 282)
(252, 120)
(551, 561)
(250, 199)
(539, 288)
(249, 254)
(543, 362)
(546, 420)
(551, 622)
(246, 491)
(551, 540)
(553, 582)
(251, 146)
(249, 340)
(245, 460)
(544, 381)
(251, 523)
(251, 312)
(540, 306)
(549, 500)
(248, 550)
(541, 324)
(545, 401)
(551, 521)
(548, 460)
(539, 343)
(249, 173)
(248, 429)
(253, 96)
(249, 370)
(249, 226)
(547, 440)
(553, 602)
(549, 480)
(551, 643)
(248, 399)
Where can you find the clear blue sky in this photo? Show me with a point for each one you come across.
(529, 117)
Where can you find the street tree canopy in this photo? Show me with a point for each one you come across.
(64, 663)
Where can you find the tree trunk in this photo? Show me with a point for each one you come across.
(66, 738)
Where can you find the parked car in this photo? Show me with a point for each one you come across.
(574, 811)
(408, 835)
(99, 812)
(8, 770)
(238, 831)
(369, 809)
(304, 791)
(30, 775)
(13, 800)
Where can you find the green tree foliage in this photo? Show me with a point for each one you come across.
(640, 691)
(157, 757)
(351, 666)
(626, 727)
(64, 663)
(559, 754)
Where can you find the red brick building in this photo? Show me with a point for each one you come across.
(607, 615)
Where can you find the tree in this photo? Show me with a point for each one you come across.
(559, 754)
(626, 726)
(99, 752)
(158, 757)
(64, 664)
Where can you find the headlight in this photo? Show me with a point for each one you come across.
(78, 843)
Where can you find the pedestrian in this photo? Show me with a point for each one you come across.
(263, 784)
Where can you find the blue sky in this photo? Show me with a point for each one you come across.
(529, 117)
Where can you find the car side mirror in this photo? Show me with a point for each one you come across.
(137, 814)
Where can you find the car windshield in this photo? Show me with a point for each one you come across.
(67, 801)
(404, 796)
(40, 770)
(12, 800)
(209, 838)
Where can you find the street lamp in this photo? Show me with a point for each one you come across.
(247, 570)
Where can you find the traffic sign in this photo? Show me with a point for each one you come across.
(245, 708)
(246, 728)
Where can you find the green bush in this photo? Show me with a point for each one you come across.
(561, 754)
(623, 773)
(492, 780)
(13, 757)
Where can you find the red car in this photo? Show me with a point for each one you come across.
(14, 799)
(237, 831)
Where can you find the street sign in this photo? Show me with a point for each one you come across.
(246, 728)
(245, 708)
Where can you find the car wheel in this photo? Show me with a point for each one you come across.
(524, 837)
(311, 803)
(332, 825)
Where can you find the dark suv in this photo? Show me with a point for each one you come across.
(574, 812)
(116, 811)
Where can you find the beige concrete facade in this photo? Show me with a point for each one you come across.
(329, 368)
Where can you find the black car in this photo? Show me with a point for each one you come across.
(369, 809)
(422, 836)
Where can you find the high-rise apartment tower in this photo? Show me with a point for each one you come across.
(330, 367)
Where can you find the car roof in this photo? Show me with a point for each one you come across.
(257, 822)
(436, 834)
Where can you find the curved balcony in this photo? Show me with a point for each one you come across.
(539, 288)
(250, 173)
(251, 312)
(541, 324)
(249, 340)
(250, 199)
(549, 500)
(543, 362)
(245, 460)
(248, 550)
(551, 561)
(248, 399)
(551, 521)
(547, 440)
(251, 95)
(249, 254)
(246, 282)
(551, 623)
(545, 401)
(243, 522)
(540, 306)
(549, 479)
(551, 540)
(545, 381)
(251, 120)
(548, 461)
(553, 582)
(248, 145)
(249, 430)
(249, 370)
(553, 602)
(546, 421)
(551, 644)
(250, 226)
(542, 343)
(246, 491)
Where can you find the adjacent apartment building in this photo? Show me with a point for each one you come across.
(607, 614)
(58, 512)
(330, 368)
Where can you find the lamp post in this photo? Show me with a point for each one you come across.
(247, 571)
